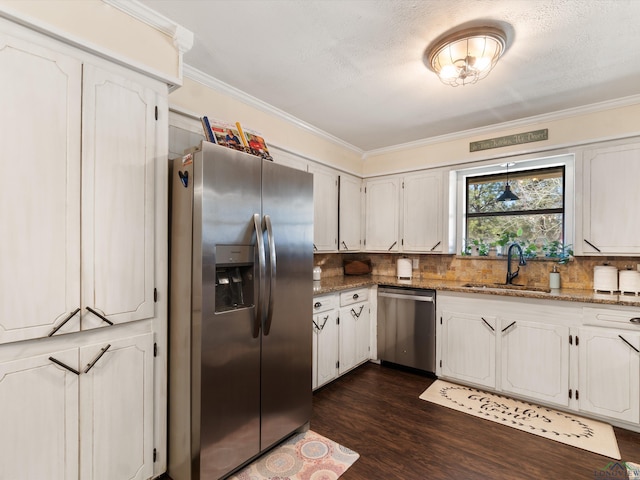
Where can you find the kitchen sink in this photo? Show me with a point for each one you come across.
(505, 286)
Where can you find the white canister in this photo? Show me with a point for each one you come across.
(605, 278)
(317, 273)
(629, 281)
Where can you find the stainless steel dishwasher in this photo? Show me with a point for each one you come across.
(407, 327)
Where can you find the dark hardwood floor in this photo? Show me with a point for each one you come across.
(375, 410)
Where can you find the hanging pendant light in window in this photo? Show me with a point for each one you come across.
(507, 195)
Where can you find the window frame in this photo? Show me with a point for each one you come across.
(458, 184)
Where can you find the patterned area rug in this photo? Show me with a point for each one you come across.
(305, 456)
(562, 427)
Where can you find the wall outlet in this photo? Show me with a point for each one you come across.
(415, 263)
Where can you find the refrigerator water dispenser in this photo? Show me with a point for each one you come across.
(234, 277)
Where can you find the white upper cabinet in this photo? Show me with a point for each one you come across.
(350, 213)
(423, 212)
(609, 194)
(405, 214)
(117, 198)
(40, 194)
(382, 204)
(325, 207)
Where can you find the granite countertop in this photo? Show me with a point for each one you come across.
(339, 283)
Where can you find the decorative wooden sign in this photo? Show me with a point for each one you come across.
(508, 140)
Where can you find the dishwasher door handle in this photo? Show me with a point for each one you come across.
(417, 298)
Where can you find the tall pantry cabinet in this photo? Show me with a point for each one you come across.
(83, 263)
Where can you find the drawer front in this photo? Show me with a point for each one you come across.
(324, 303)
(604, 317)
(354, 296)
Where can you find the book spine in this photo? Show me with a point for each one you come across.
(208, 133)
(241, 133)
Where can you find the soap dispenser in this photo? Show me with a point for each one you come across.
(554, 278)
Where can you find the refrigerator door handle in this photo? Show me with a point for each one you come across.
(272, 273)
(261, 275)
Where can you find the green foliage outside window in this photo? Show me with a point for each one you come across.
(534, 221)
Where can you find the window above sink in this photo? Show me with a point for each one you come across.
(544, 212)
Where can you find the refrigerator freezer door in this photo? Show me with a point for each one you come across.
(226, 394)
(287, 199)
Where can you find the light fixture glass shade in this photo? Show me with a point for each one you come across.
(466, 56)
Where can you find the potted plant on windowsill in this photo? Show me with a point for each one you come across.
(505, 239)
(558, 251)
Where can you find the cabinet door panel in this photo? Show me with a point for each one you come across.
(328, 354)
(422, 222)
(469, 348)
(610, 188)
(117, 198)
(382, 213)
(39, 418)
(117, 410)
(40, 193)
(609, 373)
(535, 361)
(350, 213)
(325, 207)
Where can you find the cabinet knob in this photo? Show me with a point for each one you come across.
(356, 296)
(635, 320)
(317, 305)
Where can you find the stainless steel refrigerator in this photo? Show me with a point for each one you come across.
(240, 303)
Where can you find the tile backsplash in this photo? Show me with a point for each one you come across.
(577, 274)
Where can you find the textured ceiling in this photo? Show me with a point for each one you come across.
(354, 68)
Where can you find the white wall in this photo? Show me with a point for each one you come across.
(200, 100)
(566, 129)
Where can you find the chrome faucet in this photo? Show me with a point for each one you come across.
(522, 262)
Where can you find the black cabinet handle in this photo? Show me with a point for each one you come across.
(592, 245)
(100, 316)
(98, 357)
(357, 315)
(488, 325)
(435, 246)
(392, 245)
(317, 305)
(345, 245)
(58, 327)
(356, 296)
(508, 327)
(625, 341)
(63, 365)
(635, 320)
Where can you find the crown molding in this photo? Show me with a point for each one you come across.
(489, 129)
(182, 38)
(226, 89)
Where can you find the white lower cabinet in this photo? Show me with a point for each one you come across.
(469, 347)
(535, 360)
(83, 412)
(355, 328)
(341, 334)
(557, 353)
(325, 340)
(39, 417)
(609, 378)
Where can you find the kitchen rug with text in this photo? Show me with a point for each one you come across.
(584, 433)
(303, 456)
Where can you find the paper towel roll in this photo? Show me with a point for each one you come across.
(403, 268)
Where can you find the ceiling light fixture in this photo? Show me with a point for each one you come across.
(507, 195)
(466, 56)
